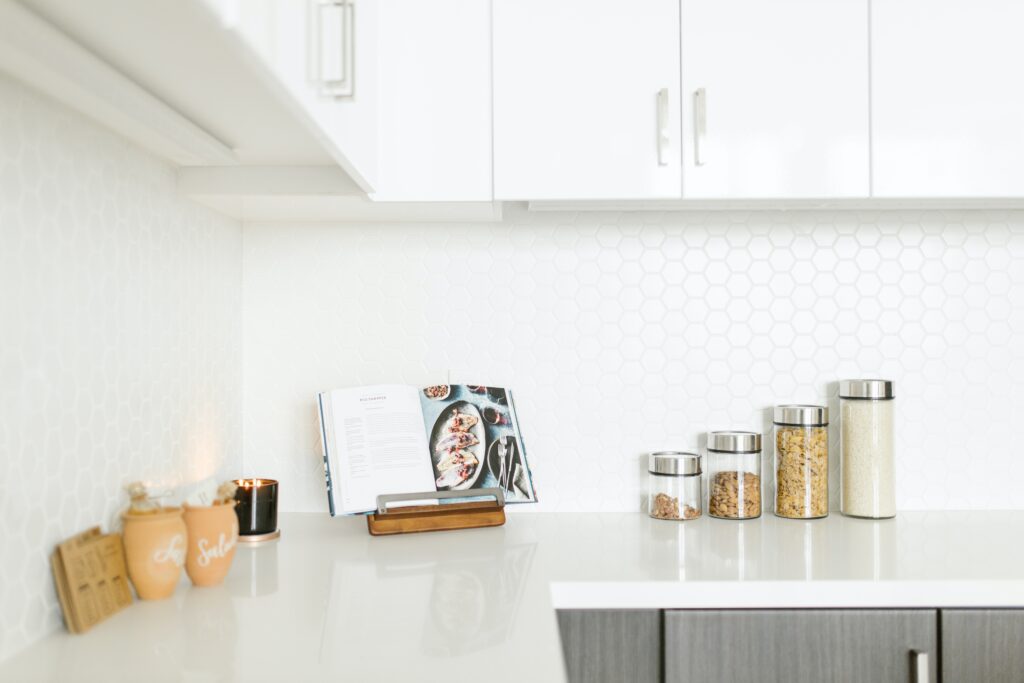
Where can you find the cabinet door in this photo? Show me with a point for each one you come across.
(576, 109)
(434, 65)
(982, 645)
(282, 33)
(611, 646)
(947, 98)
(785, 98)
(797, 646)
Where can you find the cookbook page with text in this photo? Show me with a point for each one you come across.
(379, 445)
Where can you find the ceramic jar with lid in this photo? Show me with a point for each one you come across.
(801, 461)
(674, 485)
(734, 474)
(867, 447)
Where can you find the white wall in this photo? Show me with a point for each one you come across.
(120, 345)
(625, 333)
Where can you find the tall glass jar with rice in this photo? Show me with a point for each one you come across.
(801, 461)
(866, 441)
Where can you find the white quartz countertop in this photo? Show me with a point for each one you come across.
(329, 602)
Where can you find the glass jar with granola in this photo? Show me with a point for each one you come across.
(801, 461)
(734, 475)
(674, 490)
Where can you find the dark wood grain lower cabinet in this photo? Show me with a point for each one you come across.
(611, 646)
(798, 646)
(982, 645)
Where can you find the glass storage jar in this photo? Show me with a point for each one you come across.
(734, 475)
(866, 443)
(801, 461)
(674, 490)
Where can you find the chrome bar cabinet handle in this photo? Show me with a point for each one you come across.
(920, 673)
(700, 125)
(664, 143)
(331, 51)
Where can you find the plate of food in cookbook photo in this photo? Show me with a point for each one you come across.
(457, 447)
(438, 392)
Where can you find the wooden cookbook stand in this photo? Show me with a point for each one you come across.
(409, 519)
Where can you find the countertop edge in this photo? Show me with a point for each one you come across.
(761, 594)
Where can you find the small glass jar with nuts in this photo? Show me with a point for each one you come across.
(801, 461)
(734, 475)
(674, 489)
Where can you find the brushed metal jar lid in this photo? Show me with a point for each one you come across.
(734, 442)
(674, 463)
(872, 389)
(801, 415)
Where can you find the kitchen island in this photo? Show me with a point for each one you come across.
(329, 602)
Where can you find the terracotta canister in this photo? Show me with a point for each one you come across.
(212, 535)
(154, 544)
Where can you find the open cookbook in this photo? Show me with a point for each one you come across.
(401, 439)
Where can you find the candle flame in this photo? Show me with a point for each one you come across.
(250, 483)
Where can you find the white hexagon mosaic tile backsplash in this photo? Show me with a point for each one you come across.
(622, 333)
(120, 335)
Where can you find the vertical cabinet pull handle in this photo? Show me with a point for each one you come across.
(920, 673)
(700, 125)
(330, 39)
(663, 139)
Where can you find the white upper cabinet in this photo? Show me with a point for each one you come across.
(273, 97)
(401, 89)
(475, 100)
(947, 98)
(586, 99)
(785, 109)
(324, 54)
(434, 66)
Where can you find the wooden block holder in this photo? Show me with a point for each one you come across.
(91, 575)
(472, 514)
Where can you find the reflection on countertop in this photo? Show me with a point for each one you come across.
(461, 603)
(918, 546)
(918, 559)
(330, 602)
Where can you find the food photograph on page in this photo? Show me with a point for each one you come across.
(475, 442)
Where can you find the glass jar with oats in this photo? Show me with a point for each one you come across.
(674, 490)
(801, 461)
(734, 475)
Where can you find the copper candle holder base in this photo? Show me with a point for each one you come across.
(257, 539)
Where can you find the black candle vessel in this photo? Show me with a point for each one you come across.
(256, 510)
